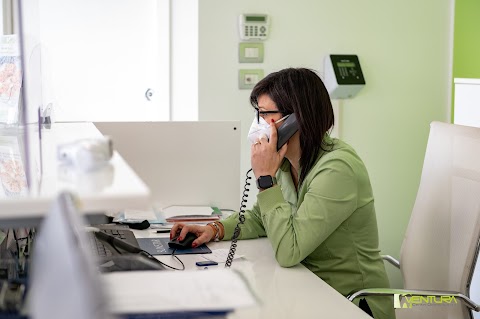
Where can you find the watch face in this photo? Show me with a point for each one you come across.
(265, 182)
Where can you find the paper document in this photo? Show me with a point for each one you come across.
(132, 216)
(161, 226)
(220, 255)
(10, 79)
(172, 211)
(13, 180)
(171, 291)
(139, 214)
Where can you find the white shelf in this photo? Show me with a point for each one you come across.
(466, 81)
(111, 188)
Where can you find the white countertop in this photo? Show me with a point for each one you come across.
(283, 292)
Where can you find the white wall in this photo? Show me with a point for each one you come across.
(2, 27)
(184, 60)
(467, 97)
(404, 48)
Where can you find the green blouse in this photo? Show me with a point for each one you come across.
(329, 225)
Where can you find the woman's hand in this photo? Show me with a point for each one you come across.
(204, 233)
(265, 158)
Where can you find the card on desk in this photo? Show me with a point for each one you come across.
(159, 246)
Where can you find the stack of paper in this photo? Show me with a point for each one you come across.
(132, 216)
(174, 214)
(161, 292)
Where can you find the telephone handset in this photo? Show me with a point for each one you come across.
(284, 133)
(286, 130)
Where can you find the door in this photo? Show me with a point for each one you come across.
(100, 60)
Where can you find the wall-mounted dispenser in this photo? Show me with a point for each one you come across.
(343, 75)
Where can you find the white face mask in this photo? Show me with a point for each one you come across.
(258, 130)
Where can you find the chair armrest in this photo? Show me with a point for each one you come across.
(391, 260)
(390, 292)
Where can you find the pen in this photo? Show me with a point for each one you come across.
(162, 231)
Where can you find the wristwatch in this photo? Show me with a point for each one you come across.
(266, 181)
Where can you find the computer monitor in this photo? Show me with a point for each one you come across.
(183, 163)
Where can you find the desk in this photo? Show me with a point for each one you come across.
(284, 292)
(113, 187)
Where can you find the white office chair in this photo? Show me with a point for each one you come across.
(441, 244)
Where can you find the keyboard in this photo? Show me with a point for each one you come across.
(113, 256)
(102, 249)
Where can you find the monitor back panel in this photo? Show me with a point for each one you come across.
(183, 163)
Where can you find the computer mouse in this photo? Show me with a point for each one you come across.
(184, 244)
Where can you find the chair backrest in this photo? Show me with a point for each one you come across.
(438, 251)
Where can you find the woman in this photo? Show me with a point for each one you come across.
(319, 208)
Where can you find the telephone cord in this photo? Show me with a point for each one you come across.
(241, 220)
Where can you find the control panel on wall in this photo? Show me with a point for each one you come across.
(343, 75)
(254, 26)
(347, 69)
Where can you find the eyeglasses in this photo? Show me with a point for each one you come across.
(259, 113)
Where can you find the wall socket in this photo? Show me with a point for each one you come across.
(248, 78)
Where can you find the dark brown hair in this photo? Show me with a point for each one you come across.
(301, 91)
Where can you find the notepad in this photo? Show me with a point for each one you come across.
(174, 214)
(177, 291)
